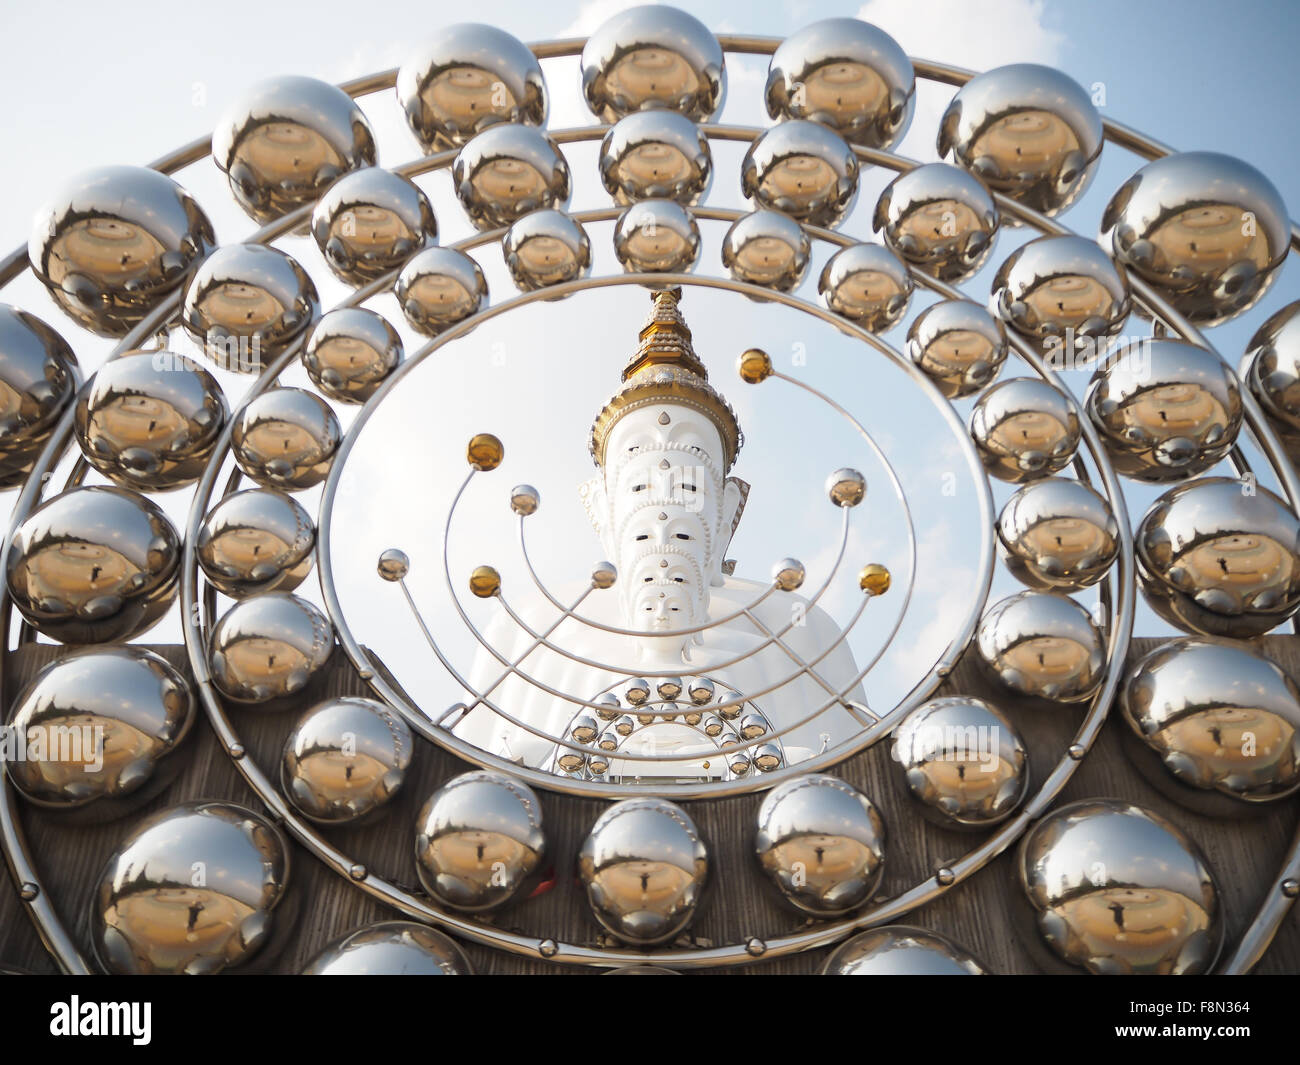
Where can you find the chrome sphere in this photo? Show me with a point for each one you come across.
(643, 867)
(391, 948)
(657, 236)
(546, 248)
(525, 499)
(112, 242)
(767, 248)
(867, 284)
(1043, 645)
(958, 345)
(393, 565)
(1024, 428)
(438, 288)
(940, 219)
(846, 487)
(1271, 370)
(1026, 131)
(479, 840)
(900, 950)
(963, 761)
(787, 575)
(286, 438)
(150, 420)
(194, 889)
(1058, 533)
(802, 169)
(1165, 409)
(258, 540)
(656, 155)
(39, 377)
(370, 222)
(108, 722)
(822, 843)
(468, 77)
(507, 171)
(345, 758)
(845, 74)
(1117, 889)
(246, 304)
(350, 353)
(93, 565)
(1206, 230)
(1220, 557)
(268, 646)
(286, 140)
(653, 58)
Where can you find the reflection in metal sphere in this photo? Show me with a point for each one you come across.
(846, 487)
(754, 366)
(394, 564)
(93, 565)
(867, 284)
(1220, 557)
(507, 171)
(653, 58)
(958, 345)
(940, 219)
(1058, 533)
(370, 222)
(1043, 645)
(268, 646)
(545, 248)
(767, 248)
(286, 140)
(822, 843)
(112, 242)
(656, 155)
(246, 304)
(644, 866)
(1024, 428)
(845, 74)
(286, 438)
(258, 540)
(478, 840)
(1117, 889)
(193, 889)
(874, 579)
(802, 169)
(963, 760)
(470, 76)
(657, 236)
(901, 950)
(524, 500)
(391, 948)
(484, 582)
(39, 376)
(1028, 132)
(1207, 230)
(438, 288)
(1272, 371)
(350, 353)
(345, 758)
(150, 420)
(788, 574)
(1165, 409)
(484, 452)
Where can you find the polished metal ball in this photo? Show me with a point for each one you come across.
(1044, 645)
(268, 646)
(194, 889)
(507, 171)
(246, 304)
(369, 222)
(1026, 131)
(345, 759)
(286, 438)
(940, 219)
(867, 284)
(484, 452)
(111, 243)
(1271, 370)
(963, 761)
(788, 574)
(901, 950)
(846, 487)
(657, 236)
(254, 541)
(643, 866)
(94, 565)
(1206, 230)
(653, 58)
(1117, 889)
(603, 575)
(656, 155)
(701, 691)
(958, 345)
(524, 500)
(1220, 557)
(467, 77)
(391, 948)
(394, 564)
(150, 420)
(767, 248)
(802, 169)
(1024, 428)
(479, 840)
(847, 75)
(286, 140)
(544, 248)
(822, 843)
(350, 353)
(39, 377)
(438, 288)
(1058, 533)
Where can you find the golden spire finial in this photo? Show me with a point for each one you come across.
(665, 337)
